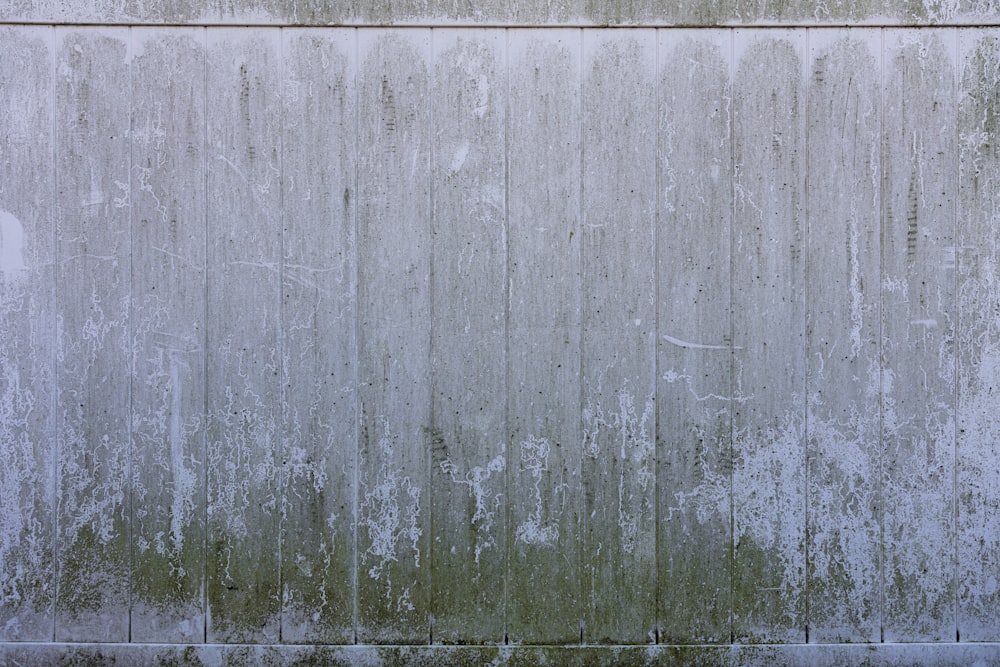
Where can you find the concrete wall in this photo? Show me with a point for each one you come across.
(497, 335)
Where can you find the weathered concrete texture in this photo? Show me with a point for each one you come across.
(842, 335)
(979, 335)
(92, 174)
(499, 12)
(918, 336)
(167, 338)
(544, 581)
(768, 296)
(468, 347)
(559, 336)
(215, 655)
(319, 282)
(619, 336)
(244, 408)
(394, 342)
(694, 346)
(27, 317)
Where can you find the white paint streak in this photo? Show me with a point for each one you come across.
(487, 504)
(698, 346)
(390, 512)
(628, 433)
(538, 528)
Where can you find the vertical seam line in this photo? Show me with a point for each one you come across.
(205, 341)
(57, 327)
(732, 335)
(881, 335)
(358, 408)
(805, 250)
(130, 352)
(282, 367)
(657, 151)
(431, 80)
(506, 318)
(957, 335)
(582, 606)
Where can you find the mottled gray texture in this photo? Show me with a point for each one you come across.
(769, 299)
(918, 336)
(544, 585)
(619, 336)
(842, 336)
(394, 337)
(324, 335)
(501, 12)
(468, 347)
(93, 326)
(694, 340)
(244, 382)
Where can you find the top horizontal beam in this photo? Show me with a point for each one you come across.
(504, 13)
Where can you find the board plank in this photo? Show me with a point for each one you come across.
(918, 325)
(468, 346)
(769, 338)
(978, 336)
(618, 345)
(394, 308)
(92, 180)
(694, 346)
(842, 337)
(27, 361)
(544, 591)
(244, 407)
(319, 352)
(168, 331)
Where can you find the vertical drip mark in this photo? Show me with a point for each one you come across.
(506, 335)
(656, 333)
(957, 334)
(806, 235)
(881, 342)
(282, 366)
(583, 609)
(732, 336)
(430, 351)
(130, 357)
(205, 339)
(54, 400)
(357, 328)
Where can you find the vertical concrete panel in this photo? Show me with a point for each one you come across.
(27, 361)
(769, 337)
(918, 325)
(842, 334)
(244, 309)
(544, 586)
(94, 372)
(394, 308)
(168, 334)
(319, 320)
(619, 336)
(694, 346)
(979, 336)
(468, 360)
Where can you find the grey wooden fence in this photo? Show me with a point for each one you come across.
(498, 335)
